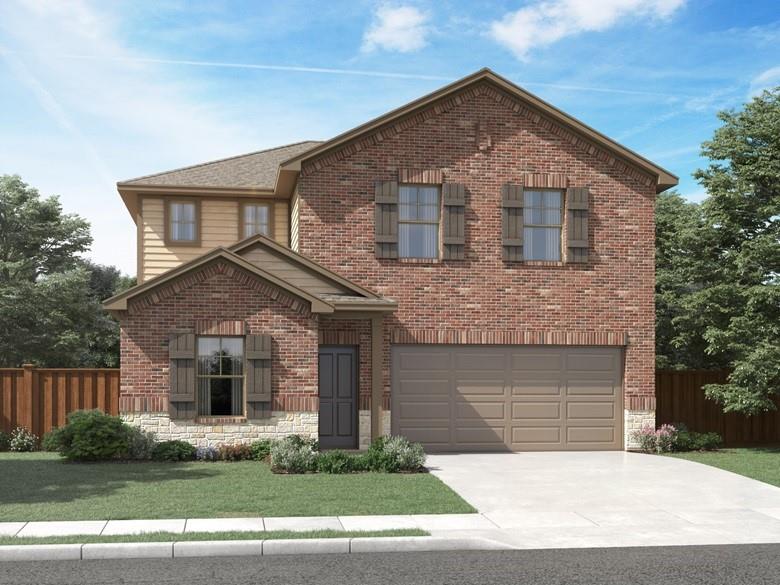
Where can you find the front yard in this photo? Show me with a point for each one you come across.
(41, 486)
(762, 464)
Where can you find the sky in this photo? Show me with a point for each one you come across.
(97, 92)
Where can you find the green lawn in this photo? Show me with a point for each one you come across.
(762, 464)
(170, 537)
(40, 486)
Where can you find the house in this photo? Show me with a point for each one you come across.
(474, 270)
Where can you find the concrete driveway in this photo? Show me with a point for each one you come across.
(551, 500)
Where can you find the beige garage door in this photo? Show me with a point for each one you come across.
(519, 398)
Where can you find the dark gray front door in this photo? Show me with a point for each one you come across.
(338, 397)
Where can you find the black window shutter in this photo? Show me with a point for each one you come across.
(386, 219)
(454, 220)
(181, 375)
(258, 376)
(577, 220)
(512, 222)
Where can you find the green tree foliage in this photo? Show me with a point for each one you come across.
(50, 311)
(718, 263)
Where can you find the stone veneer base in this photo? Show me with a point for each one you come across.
(636, 420)
(364, 424)
(278, 425)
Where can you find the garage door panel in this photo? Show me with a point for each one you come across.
(476, 411)
(508, 397)
(589, 410)
(591, 435)
(536, 410)
(423, 388)
(425, 410)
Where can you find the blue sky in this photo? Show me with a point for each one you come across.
(96, 92)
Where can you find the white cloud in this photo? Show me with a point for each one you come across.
(766, 80)
(543, 23)
(400, 28)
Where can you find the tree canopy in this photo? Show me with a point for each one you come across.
(718, 263)
(50, 297)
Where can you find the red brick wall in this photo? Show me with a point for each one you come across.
(483, 139)
(218, 292)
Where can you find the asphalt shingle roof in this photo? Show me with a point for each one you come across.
(255, 170)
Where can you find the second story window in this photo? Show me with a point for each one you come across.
(542, 221)
(182, 225)
(256, 219)
(418, 221)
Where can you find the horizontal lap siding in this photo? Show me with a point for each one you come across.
(51, 394)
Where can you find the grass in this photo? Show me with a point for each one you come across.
(762, 463)
(41, 486)
(171, 537)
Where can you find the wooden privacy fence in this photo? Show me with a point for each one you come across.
(680, 399)
(39, 399)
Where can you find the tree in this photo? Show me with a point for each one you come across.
(718, 263)
(50, 311)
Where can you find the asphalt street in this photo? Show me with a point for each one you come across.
(708, 565)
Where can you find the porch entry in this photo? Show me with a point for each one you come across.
(338, 389)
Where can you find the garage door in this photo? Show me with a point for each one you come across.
(519, 398)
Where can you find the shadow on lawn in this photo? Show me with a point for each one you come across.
(49, 481)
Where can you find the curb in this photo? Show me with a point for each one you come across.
(232, 548)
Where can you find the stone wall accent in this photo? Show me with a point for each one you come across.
(278, 425)
(364, 418)
(636, 420)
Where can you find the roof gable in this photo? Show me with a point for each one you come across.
(522, 101)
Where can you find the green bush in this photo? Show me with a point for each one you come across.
(292, 455)
(360, 462)
(693, 441)
(5, 441)
(394, 454)
(140, 443)
(22, 440)
(335, 462)
(173, 451)
(261, 450)
(92, 435)
(301, 441)
(239, 452)
(52, 440)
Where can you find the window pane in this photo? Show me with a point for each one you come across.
(532, 199)
(182, 221)
(221, 396)
(183, 231)
(232, 356)
(542, 243)
(208, 356)
(428, 195)
(552, 199)
(407, 194)
(256, 220)
(183, 211)
(418, 240)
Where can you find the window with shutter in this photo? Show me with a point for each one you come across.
(258, 375)
(181, 375)
(454, 220)
(577, 220)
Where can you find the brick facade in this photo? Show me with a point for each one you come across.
(218, 296)
(483, 138)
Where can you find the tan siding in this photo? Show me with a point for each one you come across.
(219, 227)
(281, 223)
(297, 276)
(294, 221)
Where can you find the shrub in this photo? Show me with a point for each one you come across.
(301, 441)
(645, 438)
(360, 462)
(5, 441)
(52, 441)
(173, 451)
(92, 435)
(207, 453)
(22, 440)
(394, 454)
(692, 441)
(239, 452)
(140, 443)
(291, 455)
(665, 439)
(335, 461)
(261, 450)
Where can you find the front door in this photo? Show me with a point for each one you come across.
(338, 397)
